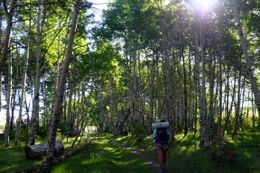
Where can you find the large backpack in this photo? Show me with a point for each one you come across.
(162, 133)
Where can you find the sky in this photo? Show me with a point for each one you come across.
(98, 7)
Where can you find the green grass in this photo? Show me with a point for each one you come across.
(247, 145)
(13, 159)
(187, 157)
(103, 156)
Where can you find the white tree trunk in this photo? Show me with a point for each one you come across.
(6, 41)
(36, 96)
(24, 79)
(9, 102)
(247, 71)
(1, 35)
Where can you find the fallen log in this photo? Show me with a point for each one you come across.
(40, 150)
(45, 167)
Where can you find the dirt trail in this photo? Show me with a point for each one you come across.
(152, 163)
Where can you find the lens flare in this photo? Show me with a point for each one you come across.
(203, 5)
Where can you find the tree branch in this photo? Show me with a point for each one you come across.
(5, 7)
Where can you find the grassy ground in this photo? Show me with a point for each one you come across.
(187, 157)
(103, 156)
(13, 159)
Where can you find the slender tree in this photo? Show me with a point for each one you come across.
(247, 69)
(36, 95)
(9, 13)
(59, 90)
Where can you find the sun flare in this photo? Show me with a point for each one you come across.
(203, 5)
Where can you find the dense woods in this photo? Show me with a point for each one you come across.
(61, 70)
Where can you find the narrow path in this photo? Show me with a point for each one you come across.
(152, 163)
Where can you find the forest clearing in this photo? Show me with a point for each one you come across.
(133, 86)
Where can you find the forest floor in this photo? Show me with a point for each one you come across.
(185, 156)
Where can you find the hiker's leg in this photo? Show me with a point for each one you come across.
(160, 157)
(164, 157)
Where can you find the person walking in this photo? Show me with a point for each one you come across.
(161, 139)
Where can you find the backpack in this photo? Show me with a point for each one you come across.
(162, 133)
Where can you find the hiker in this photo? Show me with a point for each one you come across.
(161, 140)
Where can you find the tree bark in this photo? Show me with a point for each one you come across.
(9, 24)
(248, 70)
(204, 136)
(121, 122)
(1, 47)
(9, 102)
(228, 107)
(23, 92)
(212, 100)
(185, 95)
(201, 88)
(59, 91)
(220, 104)
(36, 96)
(237, 108)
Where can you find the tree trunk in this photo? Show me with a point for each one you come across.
(185, 95)
(242, 106)
(23, 93)
(237, 108)
(220, 105)
(204, 136)
(59, 91)
(211, 112)
(13, 97)
(201, 88)
(253, 111)
(9, 102)
(197, 79)
(1, 84)
(1, 35)
(9, 24)
(70, 122)
(228, 107)
(101, 114)
(248, 71)
(122, 121)
(36, 96)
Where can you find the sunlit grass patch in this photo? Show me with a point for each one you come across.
(103, 156)
(186, 155)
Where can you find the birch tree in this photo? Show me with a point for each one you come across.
(247, 69)
(23, 90)
(36, 95)
(62, 75)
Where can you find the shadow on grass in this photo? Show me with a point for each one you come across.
(247, 145)
(186, 156)
(103, 157)
(13, 159)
